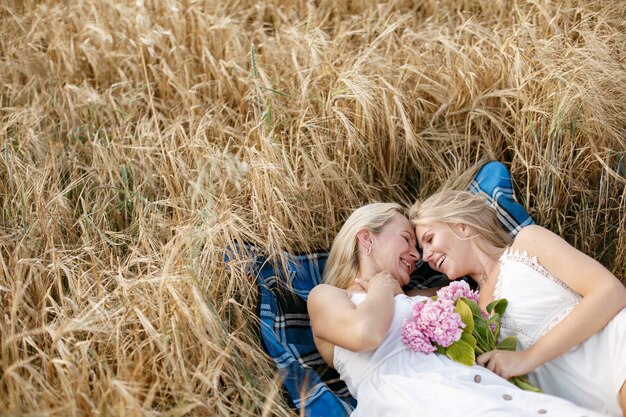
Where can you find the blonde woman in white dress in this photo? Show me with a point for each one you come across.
(357, 315)
(567, 310)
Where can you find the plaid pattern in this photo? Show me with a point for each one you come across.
(309, 384)
(494, 180)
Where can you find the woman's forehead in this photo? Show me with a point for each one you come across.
(400, 221)
(423, 228)
(420, 229)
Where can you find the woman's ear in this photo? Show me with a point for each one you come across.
(465, 229)
(365, 237)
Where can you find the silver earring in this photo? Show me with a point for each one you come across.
(369, 251)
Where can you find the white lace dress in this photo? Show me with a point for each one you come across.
(590, 374)
(394, 381)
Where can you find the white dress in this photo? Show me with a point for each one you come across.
(394, 381)
(590, 374)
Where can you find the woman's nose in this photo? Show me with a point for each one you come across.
(426, 254)
(415, 253)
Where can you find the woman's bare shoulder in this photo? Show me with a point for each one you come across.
(325, 288)
(533, 237)
(530, 232)
(551, 250)
(325, 292)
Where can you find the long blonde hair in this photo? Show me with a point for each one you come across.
(461, 207)
(342, 265)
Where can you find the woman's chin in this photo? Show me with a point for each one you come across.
(406, 280)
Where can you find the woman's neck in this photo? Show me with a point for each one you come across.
(487, 264)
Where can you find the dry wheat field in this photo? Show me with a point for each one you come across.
(140, 139)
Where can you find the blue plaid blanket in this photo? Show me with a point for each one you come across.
(309, 384)
(494, 180)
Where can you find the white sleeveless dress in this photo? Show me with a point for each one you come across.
(590, 374)
(394, 381)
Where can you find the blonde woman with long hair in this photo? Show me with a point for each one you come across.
(566, 310)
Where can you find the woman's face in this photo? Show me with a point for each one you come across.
(394, 249)
(444, 249)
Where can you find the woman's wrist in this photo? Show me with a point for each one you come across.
(383, 289)
(534, 357)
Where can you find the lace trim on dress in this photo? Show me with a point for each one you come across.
(522, 257)
(506, 322)
(497, 290)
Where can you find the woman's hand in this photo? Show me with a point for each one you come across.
(382, 280)
(506, 363)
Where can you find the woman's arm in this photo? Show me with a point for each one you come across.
(358, 328)
(603, 296)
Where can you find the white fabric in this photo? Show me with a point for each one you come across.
(394, 381)
(590, 374)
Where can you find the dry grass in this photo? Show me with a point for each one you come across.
(139, 139)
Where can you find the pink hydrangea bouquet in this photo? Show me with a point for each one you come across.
(452, 324)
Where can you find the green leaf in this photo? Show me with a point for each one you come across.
(469, 339)
(498, 306)
(481, 328)
(472, 305)
(463, 310)
(461, 352)
(280, 93)
(523, 382)
(480, 325)
(440, 349)
(508, 343)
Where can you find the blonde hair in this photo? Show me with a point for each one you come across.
(342, 265)
(461, 207)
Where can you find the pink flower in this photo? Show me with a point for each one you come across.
(414, 338)
(440, 323)
(433, 322)
(417, 310)
(457, 289)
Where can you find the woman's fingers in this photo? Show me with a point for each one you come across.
(502, 363)
(484, 358)
(488, 361)
(363, 283)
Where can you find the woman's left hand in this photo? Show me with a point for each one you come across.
(506, 363)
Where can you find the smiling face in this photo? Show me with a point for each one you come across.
(444, 248)
(394, 249)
